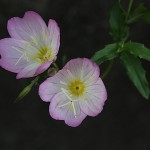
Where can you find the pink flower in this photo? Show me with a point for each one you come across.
(32, 47)
(74, 92)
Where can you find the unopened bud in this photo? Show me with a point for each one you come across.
(51, 71)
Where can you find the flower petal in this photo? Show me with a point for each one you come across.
(54, 36)
(43, 67)
(12, 51)
(83, 68)
(28, 71)
(61, 109)
(30, 28)
(75, 67)
(59, 106)
(91, 71)
(93, 101)
(48, 89)
(54, 85)
(73, 121)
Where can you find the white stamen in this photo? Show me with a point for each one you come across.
(74, 110)
(63, 83)
(71, 101)
(17, 50)
(19, 59)
(65, 92)
(64, 104)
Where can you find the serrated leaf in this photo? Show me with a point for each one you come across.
(136, 73)
(108, 53)
(119, 30)
(138, 49)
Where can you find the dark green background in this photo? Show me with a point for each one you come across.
(124, 124)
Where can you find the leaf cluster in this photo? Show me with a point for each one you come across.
(130, 53)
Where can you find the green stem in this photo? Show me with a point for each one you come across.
(34, 81)
(129, 8)
(107, 69)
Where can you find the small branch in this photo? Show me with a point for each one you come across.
(129, 8)
(107, 69)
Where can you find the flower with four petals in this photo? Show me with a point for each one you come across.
(74, 92)
(32, 47)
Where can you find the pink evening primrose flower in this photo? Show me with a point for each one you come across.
(74, 92)
(32, 47)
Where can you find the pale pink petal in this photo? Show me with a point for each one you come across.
(53, 85)
(43, 67)
(29, 28)
(91, 71)
(62, 77)
(94, 99)
(11, 51)
(48, 89)
(73, 120)
(61, 109)
(75, 67)
(84, 69)
(88, 109)
(59, 106)
(28, 71)
(54, 36)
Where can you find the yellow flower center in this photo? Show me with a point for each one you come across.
(44, 54)
(76, 88)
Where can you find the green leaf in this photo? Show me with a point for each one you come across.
(26, 90)
(136, 73)
(138, 49)
(119, 30)
(108, 53)
(140, 13)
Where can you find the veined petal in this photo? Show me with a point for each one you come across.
(54, 36)
(30, 28)
(48, 89)
(74, 117)
(13, 54)
(43, 67)
(62, 77)
(88, 109)
(54, 85)
(84, 69)
(28, 71)
(91, 72)
(75, 67)
(59, 106)
(94, 98)
(78, 91)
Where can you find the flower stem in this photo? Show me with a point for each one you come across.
(129, 8)
(107, 69)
